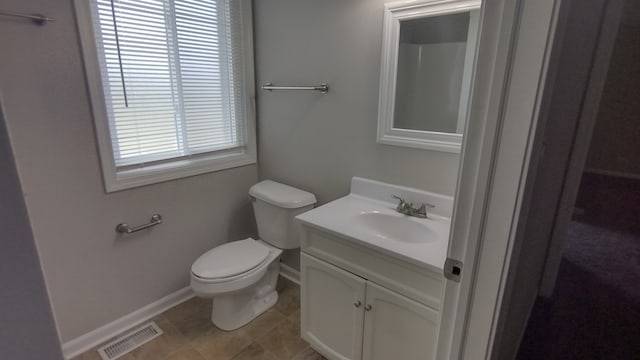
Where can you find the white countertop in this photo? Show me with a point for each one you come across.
(340, 218)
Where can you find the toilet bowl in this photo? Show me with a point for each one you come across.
(241, 275)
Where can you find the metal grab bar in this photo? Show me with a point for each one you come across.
(36, 18)
(123, 228)
(323, 88)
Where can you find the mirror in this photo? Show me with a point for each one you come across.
(427, 59)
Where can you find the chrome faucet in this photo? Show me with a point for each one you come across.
(408, 209)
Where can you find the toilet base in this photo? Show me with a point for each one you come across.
(234, 310)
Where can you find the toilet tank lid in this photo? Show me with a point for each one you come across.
(281, 195)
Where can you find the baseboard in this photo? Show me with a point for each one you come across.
(96, 337)
(290, 273)
(618, 174)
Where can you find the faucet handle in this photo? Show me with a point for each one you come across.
(402, 201)
(422, 211)
(402, 205)
(423, 208)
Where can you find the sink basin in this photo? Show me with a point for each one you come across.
(395, 228)
(368, 217)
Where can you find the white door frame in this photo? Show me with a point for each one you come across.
(515, 42)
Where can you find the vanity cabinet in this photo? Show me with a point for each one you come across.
(332, 308)
(372, 279)
(347, 317)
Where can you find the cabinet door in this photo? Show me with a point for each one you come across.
(396, 327)
(332, 302)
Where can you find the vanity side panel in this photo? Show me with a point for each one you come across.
(420, 284)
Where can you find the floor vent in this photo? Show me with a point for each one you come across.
(130, 341)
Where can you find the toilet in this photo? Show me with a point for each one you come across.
(241, 275)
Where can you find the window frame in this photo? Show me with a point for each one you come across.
(132, 176)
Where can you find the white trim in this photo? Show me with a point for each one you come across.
(534, 40)
(119, 179)
(95, 337)
(472, 190)
(618, 174)
(290, 273)
(465, 96)
(536, 25)
(511, 66)
(130, 178)
(407, 10)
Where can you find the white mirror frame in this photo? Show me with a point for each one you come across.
(408, 10)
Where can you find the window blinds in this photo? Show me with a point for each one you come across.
(172, 74)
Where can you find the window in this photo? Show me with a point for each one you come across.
(171, 83)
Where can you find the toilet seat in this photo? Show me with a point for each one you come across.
(230, 260)
(208, 287)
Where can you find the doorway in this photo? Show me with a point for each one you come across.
(592, 309)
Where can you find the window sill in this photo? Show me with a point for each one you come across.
(136, 177)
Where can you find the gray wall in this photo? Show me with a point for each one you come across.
(318, 142)
(28, 330)
(93, 276)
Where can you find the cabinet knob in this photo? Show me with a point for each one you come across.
(357, 304)
(367, 307)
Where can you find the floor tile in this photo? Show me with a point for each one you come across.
(284, 283)
(295, 316)
(309, 354)
(192, 317)
(188, 334)
(263, 323)
(254, 352)
(284, 340)
(93, 355)
(221, 345)
(185, 353)
(158, 348)
(288, 300)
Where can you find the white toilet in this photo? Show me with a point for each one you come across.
(241, 275)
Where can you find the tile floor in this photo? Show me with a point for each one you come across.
(190, 335)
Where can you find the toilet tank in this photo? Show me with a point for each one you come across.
(275, 205)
